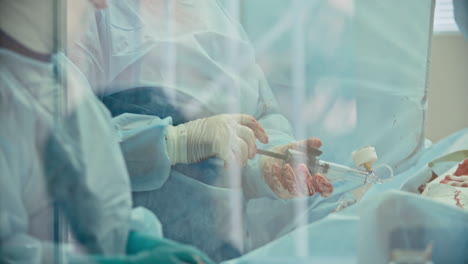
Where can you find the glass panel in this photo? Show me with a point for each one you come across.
(351, 51)
(254, 131)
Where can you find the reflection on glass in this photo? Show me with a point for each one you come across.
(136, 128)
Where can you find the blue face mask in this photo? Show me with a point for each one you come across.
(460, 8)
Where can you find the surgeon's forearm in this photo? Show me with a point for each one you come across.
(143, 145)
(176, 144)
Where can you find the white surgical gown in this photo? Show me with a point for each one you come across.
(79, 168)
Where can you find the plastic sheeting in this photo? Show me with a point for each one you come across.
(352, 73)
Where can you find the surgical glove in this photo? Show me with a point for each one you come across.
(456, 181)
(231, 137)
(288, 182)
(460, 177)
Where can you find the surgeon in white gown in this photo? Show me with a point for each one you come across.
(181, 61)
(61, 167)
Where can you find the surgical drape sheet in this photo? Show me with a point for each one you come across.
(392, 215)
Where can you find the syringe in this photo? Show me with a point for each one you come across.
(336, 172)
(332, 171)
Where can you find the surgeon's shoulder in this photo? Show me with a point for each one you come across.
(11, 97)
(19, 113)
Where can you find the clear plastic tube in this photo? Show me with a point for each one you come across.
(333, 171)
(384, 172)
(336, 172)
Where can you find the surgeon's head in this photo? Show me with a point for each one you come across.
(38, 24)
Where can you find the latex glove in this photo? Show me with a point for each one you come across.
(288, 182)
(144, 249)
(231, 137)
(460, 177)
(456, 181)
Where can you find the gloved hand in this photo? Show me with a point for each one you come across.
(460, 177)
(231, 137)
(456, 181)
(143, 249)
(288, 182)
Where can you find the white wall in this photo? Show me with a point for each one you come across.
(448, 86)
